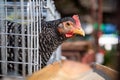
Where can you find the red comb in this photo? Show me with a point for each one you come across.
(77, 20)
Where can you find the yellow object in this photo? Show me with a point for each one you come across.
(68, 70)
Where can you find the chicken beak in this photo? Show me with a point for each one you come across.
(79, 31)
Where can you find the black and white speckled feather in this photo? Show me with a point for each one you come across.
(50, 38)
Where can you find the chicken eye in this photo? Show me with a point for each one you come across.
(68, 24)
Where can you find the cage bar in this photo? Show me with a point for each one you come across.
(19, 49)
(20, 26)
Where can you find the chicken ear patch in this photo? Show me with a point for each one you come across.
(77, 20)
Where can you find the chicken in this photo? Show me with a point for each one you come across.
(55, 33)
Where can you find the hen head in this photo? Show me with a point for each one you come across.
(70, 28)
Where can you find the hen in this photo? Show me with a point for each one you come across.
(55, 32)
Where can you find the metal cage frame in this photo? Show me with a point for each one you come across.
(19, 44)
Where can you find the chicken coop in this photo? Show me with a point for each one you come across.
(19, 41)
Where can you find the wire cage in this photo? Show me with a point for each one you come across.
(20, 25)
(19, 30)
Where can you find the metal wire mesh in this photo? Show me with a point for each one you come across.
(19, 40)
(20, 25)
